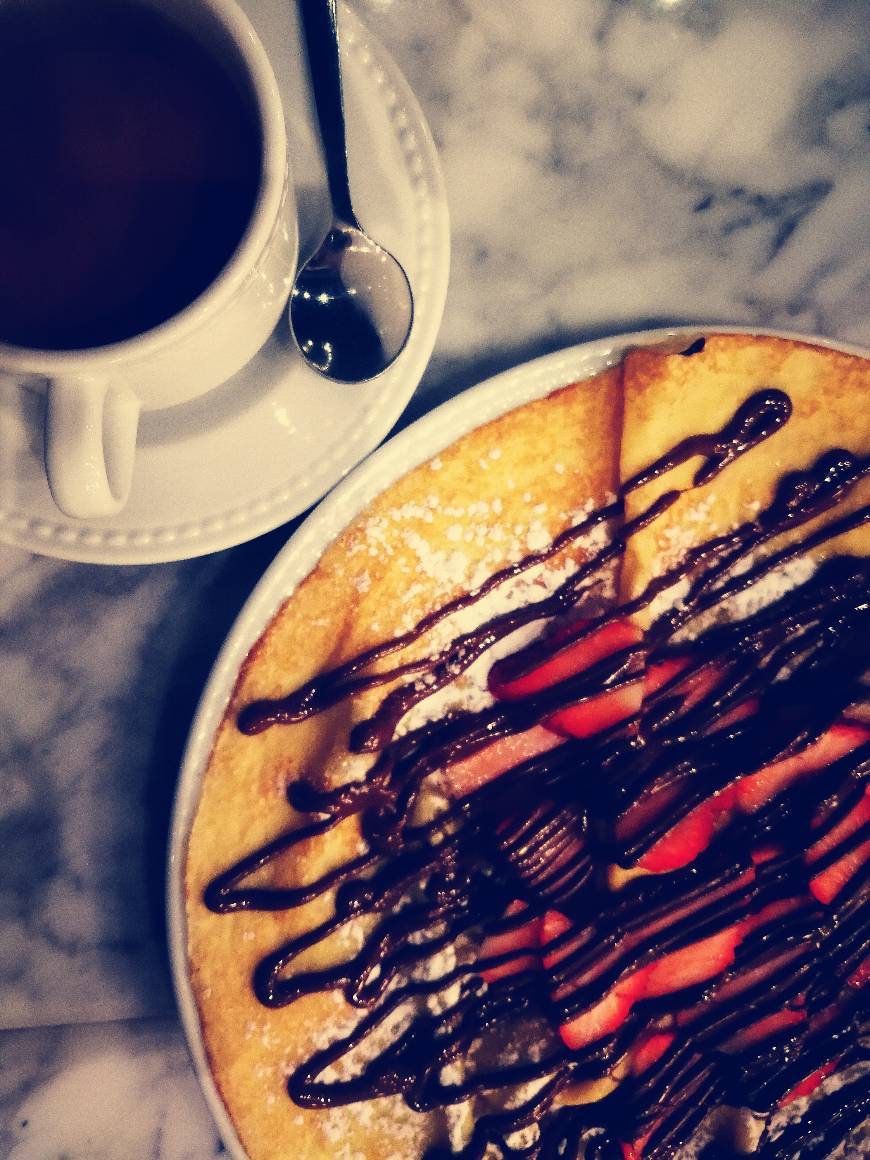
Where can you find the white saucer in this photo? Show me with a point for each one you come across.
(270, 442)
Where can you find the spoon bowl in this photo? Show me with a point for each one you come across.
(351, 307)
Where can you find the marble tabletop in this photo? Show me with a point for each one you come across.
(610, 164)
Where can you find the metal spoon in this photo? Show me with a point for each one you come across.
(351, 306)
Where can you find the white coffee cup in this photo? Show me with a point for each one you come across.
(94, 396)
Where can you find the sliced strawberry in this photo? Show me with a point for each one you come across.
(470, 773)
(553, 926)
(649, 1049)
(740, 712)
(683, 968)
(519, 939)
(807, 1086)
(767, 853)
(600, 712)
(659, 674)
(634, 1151)
(645, 812)
(690, 836)
(763, 1029)
(604, 710)
(697, 685)
(697, 901)
(772, 912)
(569, 659)
(608, 1015)
(858, 816)
(683, 843)
(826, 885)
(695, 963)
(727, 992)
(602, 1018)
(692, 688)
(757, 789)
(861, 977)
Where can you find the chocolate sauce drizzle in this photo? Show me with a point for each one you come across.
(446, 885)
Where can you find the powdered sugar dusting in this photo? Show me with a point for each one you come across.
(468, 690)
(693, 527)
(437, 566)
(406, 1133)
(771, 587)
(353, 1063)
(766, 590)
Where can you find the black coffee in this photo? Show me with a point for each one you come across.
(129, 166)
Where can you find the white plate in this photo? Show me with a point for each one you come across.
(258, 450)
(411, 447)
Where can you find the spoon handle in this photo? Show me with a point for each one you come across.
(320, 24)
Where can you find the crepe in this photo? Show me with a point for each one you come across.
(670, 396)
(499, 494)
(475, 507)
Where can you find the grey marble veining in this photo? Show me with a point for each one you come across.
(122, 1090)
(609, 164)
(75, 687)
(100, 670)
(612, 163)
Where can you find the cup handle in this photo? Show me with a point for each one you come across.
(90, 444)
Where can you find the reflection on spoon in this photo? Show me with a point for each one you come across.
(351, 307)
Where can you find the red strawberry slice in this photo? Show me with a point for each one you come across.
(553, 925)
(692, 1093)
(634, 1151)
(568, 660)
(727, 992)
(662, 673)
(600, 712)
(771, 913)
(649, 1049)
(757, 789)
(683, 843)
(695, 963)
(827, 885)
(740, 712)
(690, 836)
(763, 1029)
(606, 1016)
(645, 812)
(517, 940)
(470, 773)
(858, 816)
(766, 853)
(693, 688)
(607, 709)
(808, 1085)
(683, 968)
(861, 977)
